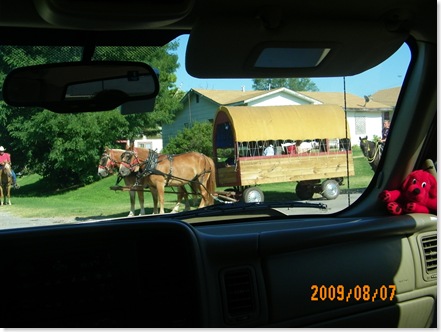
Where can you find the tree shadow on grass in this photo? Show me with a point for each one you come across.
(41, 188)
(148, 212)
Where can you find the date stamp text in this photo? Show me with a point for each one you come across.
(358, 293)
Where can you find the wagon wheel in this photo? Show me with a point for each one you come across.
(304, 191)
(253, 195)
(330, 189)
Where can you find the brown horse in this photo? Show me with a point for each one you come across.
(110, 161)
(5, 183)
(162, 170)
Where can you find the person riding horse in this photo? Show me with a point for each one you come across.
(384, 134)
(6, 158)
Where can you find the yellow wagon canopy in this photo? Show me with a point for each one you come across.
(300, 122)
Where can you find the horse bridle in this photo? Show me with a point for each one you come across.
(108, 157)
(377, 149)
(3, 165)
(5, 169)
(130, 162)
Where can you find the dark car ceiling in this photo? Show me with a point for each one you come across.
(61, 37)
(156, 15)
(370, 31)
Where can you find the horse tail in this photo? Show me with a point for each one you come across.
(211, 181)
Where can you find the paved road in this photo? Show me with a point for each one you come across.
(338, 204)
(8, 220)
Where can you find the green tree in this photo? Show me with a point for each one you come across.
(65, 148)
(62, 148)
(198, 138)
(295, 84)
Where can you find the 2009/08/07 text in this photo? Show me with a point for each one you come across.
(358, 293)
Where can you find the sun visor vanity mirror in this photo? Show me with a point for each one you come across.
(292, 48)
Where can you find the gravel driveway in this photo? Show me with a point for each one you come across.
(8, 220)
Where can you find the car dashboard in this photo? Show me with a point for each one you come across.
(320, 272)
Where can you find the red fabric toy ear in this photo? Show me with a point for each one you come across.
(407, 180)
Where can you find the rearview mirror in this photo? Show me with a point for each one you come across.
(76, 87)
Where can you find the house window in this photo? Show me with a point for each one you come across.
(360, 125)
(386, 116)
(147, 145)
(197, 98)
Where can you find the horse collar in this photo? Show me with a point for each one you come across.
(150, 163)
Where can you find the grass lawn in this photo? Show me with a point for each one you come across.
(96, 200)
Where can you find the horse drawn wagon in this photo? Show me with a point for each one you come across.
(301, 137)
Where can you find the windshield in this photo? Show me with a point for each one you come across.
(266, 140)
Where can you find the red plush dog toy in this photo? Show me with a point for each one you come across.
(418, 193)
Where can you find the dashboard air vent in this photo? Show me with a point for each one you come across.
(429, 248)
(239, 295)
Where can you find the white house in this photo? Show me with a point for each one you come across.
(144, 142)
(365, 115)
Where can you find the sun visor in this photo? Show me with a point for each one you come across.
(113, 15)
(247, 48)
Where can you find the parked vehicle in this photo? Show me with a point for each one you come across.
(247, 131)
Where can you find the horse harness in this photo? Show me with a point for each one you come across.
(149, 167)
(377, 150)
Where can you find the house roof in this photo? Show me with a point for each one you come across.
(231, 97)
(284, 122)
(352, 101)
(227, 97)
(387, 96)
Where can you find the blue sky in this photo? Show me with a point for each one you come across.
(386, 75)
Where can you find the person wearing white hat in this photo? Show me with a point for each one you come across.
(6, 158)
(269, 151)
